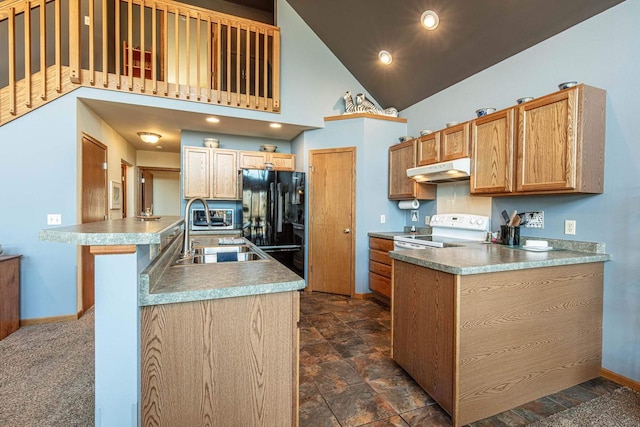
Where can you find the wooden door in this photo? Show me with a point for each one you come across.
(196, 172)
(94, 206)
(547, 143)
(332, 194)
(225, 174)
(429, 149)
(492, 145)
(455, 142)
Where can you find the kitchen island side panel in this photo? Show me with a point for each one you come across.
(525, 334)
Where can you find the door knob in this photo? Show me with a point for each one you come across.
(347, 231)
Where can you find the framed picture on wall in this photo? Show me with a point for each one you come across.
(115, 195)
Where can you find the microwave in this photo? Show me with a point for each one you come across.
(221, 219)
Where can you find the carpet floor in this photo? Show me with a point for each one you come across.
(46, 375)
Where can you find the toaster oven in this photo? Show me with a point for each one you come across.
(221, 219)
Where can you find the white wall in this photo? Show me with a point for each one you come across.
(602, 52)
(166, 193)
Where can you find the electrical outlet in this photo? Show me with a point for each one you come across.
(427, 220)
(534, 219)
(54, 219)
(383, 219)
(570, 226)
(87, 21)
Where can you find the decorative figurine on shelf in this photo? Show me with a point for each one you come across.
(364, 105)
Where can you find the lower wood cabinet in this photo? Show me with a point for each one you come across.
(229, 361)
(481, 344)
(9, 294)
(380, 268)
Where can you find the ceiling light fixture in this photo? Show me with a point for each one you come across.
(149, 137)
(430, 20)
(275, 125)
(213, 120)
(385, 57)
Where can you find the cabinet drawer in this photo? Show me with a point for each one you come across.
(384, 245)
(379, 256)
(380, 284)
(381, 269)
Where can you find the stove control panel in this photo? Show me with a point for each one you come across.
(461, 221)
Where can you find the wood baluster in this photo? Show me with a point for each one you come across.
(247, 65)
(43, 50)
(117, 43)
(218, 61)
(275, 59)
(105, 47)
(58, 36)
(154, 48)
(265, 87)
(129, 51)
(210, 72)
(228, 62)
(74, 41)
(11, 21)
(188, 60)
(238, 70)
(176, 50)
(257, 70)
(92, 71)
(198, 55)
(165, 45)
(143, 53)
(27, 54)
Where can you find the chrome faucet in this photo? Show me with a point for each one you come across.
(186, 250)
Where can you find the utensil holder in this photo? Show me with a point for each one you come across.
(509, 235)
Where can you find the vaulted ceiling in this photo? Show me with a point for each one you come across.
(472, 35)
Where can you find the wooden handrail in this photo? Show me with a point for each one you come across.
(164, 48)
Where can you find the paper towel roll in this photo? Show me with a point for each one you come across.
(409, 204)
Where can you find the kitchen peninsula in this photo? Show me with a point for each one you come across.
(484, 328)
(183, 344)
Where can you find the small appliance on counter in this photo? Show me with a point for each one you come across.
(446, 231)
(221, 219)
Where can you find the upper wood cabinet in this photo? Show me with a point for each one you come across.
(258, 159)
(492, 153)
(551, 145)
(448, 144)
(402, 157)
(560, 145)
(210, 173)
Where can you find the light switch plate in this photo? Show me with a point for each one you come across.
(54, 219)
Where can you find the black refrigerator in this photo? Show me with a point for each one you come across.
(273, 214)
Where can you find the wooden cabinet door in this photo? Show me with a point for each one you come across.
(429, 149)
(401, 157)
(282, 161)
(455, 142)
(492, 148)
(196, 170)
(225, 174)
(547, 143)
(252, 160)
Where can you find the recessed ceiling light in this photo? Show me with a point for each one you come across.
(430, 20)
(385, 57)
(149, 137)
(213, 120)
(275, 125)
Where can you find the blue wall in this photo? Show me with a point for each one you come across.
(602, 52)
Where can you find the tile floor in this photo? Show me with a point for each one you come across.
(347, 377)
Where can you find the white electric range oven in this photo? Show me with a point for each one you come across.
(447, 230)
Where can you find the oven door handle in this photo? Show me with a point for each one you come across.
(406, 245)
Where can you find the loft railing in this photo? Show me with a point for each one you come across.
(155, 47)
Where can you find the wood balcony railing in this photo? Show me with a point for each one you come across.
(155, 47)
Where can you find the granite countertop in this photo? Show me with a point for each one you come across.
(389, 234)
(126, 231)
(476, 258)
(164, 283)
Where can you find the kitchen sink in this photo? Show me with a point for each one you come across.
(225, 253)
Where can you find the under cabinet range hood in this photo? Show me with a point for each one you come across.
(453, 170)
